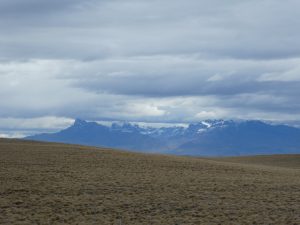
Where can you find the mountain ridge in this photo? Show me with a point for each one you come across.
(205, 138)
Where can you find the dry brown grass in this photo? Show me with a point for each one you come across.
(283, 161)
(63, 184)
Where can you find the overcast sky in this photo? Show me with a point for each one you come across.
(174, 61)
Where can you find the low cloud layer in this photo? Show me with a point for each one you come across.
(150, 61)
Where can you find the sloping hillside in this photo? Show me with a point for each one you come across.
(44, 183)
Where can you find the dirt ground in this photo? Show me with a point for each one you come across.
(44, 183)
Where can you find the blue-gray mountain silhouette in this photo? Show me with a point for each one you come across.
(206, 138)
(94, 134)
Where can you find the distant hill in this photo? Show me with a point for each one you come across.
(206, 138)
(94, 134)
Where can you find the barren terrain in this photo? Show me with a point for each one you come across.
(43, 183)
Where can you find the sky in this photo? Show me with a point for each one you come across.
(159, 61)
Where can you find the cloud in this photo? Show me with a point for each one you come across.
(147, 61)
(165, 76)
(166, 88)
(20, 127)
(46, 123)
(96, 29)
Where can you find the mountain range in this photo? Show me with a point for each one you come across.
(205, 138)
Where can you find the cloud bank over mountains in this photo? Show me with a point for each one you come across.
(152, 61)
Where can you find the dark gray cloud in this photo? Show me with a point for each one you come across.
(96, 29)
(186, 85)
(29, 7)
(153, 61)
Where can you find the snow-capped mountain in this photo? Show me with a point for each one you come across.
(207, 138)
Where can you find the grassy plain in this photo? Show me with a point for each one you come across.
(43, 183)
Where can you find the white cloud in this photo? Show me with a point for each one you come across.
(204, 115)
(139, 109)
(39, 123)
(290, 75)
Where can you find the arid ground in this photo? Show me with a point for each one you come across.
(44, 183)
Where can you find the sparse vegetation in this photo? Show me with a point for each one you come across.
(44, 183)
(282, 161)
